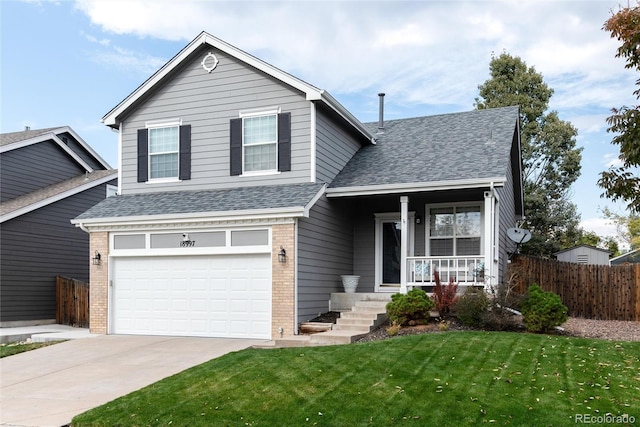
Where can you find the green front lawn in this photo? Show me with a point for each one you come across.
(14, 348)
(445, 379)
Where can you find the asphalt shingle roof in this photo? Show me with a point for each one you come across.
(13, 137)
(448, 147)
(203, 201)
(54, 190)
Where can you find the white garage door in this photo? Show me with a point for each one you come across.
(207, 296)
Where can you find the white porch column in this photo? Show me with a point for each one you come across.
(404, 242)
(489, 236)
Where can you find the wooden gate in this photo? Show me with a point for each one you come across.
(72, 302)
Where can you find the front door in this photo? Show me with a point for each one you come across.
(388, 255)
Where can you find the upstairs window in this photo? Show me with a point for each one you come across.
(455, 231)
(260, 143)
(163, 152)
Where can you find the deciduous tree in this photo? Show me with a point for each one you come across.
(623, 182)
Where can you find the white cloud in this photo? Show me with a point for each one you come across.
(427, 52)
(612, 160)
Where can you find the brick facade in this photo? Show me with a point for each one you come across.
(283, 281)
(99, 283)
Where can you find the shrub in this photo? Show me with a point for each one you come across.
(542, 310)
(444, 296)
(472, 307)
(503, 300)
(414, 305)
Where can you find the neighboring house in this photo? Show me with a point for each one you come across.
(632, 257)
(245, 193)
(48, 176)
(584, 254)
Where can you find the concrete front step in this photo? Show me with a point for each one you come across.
(337, 337)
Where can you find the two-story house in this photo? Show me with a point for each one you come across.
(48, 177)
(245, 193)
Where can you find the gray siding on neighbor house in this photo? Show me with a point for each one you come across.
(325, 251)
(35, 166)
(81, 151)
(207, 102)
(334, 146)
(38, 246)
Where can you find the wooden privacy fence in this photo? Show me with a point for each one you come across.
(591, 291)
(72, 302)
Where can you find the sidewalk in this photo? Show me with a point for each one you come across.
(43, 333)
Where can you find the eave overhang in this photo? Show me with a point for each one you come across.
(383, 189)
(312, 93)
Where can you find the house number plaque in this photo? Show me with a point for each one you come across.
(186, 242)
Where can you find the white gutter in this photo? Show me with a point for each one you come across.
(240, 215)
(371, 190)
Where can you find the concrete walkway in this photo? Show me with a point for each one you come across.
(49, 386)
(43, 333)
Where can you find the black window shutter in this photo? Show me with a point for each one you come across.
(235, 131)
(284, 142)
(143, 155)
(185, 152)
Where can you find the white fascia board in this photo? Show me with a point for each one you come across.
(332, 103)
(311, 92)
(86, 146)
(50, 136)
(371, 190)
(313, 201)
(241, 215)
(57, 197)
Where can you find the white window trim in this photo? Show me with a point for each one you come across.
(427, 222)
(381, 218)
(258, 112)
(157, 124)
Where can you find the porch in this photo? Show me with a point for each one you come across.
(455, 234)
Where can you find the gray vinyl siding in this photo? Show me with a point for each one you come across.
(35, 166)
(208, 102)
(507, 220)
(325, 251)
(334, 147)
(38, 246)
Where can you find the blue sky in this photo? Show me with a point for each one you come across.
(70, 62)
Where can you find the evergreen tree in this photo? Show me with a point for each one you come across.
(551, 160)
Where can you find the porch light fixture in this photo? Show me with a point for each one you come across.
(96, 258)
(282, 255)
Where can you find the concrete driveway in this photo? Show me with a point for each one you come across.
(49, 386)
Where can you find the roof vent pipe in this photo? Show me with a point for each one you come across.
(381, 118)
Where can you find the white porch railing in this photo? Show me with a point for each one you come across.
(464, 270)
